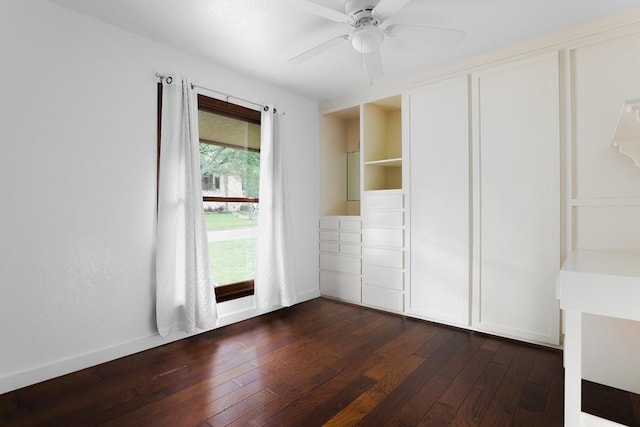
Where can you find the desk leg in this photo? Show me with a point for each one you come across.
(572, 368)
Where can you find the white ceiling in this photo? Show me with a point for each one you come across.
(257, 37)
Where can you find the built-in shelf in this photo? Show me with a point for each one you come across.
(389, 163)
(382, 144)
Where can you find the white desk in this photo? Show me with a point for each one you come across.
(605, 283)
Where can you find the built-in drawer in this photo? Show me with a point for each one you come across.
(393, 237)
(383, 277)
(390, 258)
(340, 263)
(350, 237)
(349, 224)
(329, 223)
(382, 298)
(329, 247)
(351, 250)
(382, 201)
(383, 218)
(343, 286)
(329, 235)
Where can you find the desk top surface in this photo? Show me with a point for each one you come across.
(613, 263)
(601, 282)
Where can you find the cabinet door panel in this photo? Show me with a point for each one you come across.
(519, 193)
(439, 202)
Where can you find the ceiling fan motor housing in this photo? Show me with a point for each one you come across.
(361, 12)
(366, 37)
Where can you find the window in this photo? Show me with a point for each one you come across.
(230, 163)
(210, 183)
(230, 166)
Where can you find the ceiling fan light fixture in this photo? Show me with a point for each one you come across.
(367, 39)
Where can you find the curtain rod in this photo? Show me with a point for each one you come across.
(169, 79)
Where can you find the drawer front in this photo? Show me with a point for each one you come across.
(389, 258)
(351, 225)
(350, 237)
(382, 201)
(342, 286)
(329, 223)
(383, 218)
(329, 235)
(383, 277)
(382, 298)
(340, 263)
(393, 237)
(351, 250)
(329, 247)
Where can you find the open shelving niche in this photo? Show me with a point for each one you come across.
(339, 135)
(382, 144)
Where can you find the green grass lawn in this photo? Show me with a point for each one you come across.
(232, 261)
(217, 221)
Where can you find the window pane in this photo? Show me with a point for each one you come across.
(230, 164)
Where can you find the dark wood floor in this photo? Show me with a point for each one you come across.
(316, 363)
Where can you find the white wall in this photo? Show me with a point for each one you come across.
(77, 182)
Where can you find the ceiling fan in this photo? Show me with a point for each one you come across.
(366, 17)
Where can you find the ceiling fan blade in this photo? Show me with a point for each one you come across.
(314, 51)
(447, 36)
(373, 62)
(387, 8)
(318, 10)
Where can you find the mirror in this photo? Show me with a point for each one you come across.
(353, 176)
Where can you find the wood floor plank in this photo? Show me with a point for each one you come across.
(388, 375)
(439, 361)
(508, 394)
(315, 363)
(462, 384)
(477, 401)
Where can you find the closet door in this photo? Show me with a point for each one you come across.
(517, 200)
(439, 202)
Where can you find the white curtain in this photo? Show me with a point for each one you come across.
(273, 283)
(185, 298)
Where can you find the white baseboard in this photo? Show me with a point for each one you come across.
(229, 313)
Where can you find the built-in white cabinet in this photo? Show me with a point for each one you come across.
(459, 201)
(517, 198)
(340, 257)
(438, 202)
